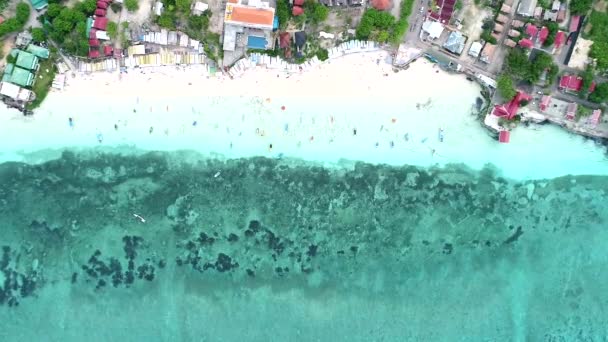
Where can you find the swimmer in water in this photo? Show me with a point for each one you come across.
(151, 130)
(71, 122)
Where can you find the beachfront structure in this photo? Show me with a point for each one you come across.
(248, 24)
(455, 42)
(434, 29)
(573, 84)
(15, 92)
(198, 8)
(443, 11)
(571, 111)
(550, 15)
(26, 60)
(475, 49)
(498, 28)
(509, 110)
(506, 9)
(594, 119)
(544, 103)
(526, 8)
(538, 12)
(18, 76)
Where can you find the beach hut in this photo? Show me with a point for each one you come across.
(571, 111)
(108, 50)
(504, 137)
(531, 31)
(545, 102)
(501, 18)
(487, 54)
(94, 54)
(100, 12)
(514, 33)
(298, 3)
(594, 119)
(498, 28)
(300, 39)
(506, 9)
(510, 43)
(102, 5)
(560, 38)
(93, 42)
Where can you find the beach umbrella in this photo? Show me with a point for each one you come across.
(381, 5)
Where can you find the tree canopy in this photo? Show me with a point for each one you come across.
(580, 7)
(600, 94)
(38, 35)
(131, 5)
(505, 87)
(526, 69)
(22, 14)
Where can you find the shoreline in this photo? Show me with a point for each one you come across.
(372, 115)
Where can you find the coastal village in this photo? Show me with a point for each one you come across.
(537, 60)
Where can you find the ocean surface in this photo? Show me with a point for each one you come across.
(475, 241)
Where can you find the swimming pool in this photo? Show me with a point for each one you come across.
(254, 42)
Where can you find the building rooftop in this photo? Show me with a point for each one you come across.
(18, 76)
(574, 22)
(237, 14)
(455, 42)
(445, 9)
(26, 60)
(38, 51)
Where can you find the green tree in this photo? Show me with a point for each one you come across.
(38, 35)
(599, 51)
(518, 64)
(322, 54)
(131, 5)
(580, 6)
(22, 13)
(198, 22)
(112, 29)
(166, 20)
(600, 94)
(87, 6)
(504, 85)
(317, 12)
(183, 6)
(53, 10)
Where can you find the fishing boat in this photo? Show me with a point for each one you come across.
(440, 135)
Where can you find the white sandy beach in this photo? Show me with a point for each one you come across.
(311, 115)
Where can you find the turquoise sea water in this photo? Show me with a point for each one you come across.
(267, 249)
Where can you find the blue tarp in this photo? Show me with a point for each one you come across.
(275, 24)
(254, 42)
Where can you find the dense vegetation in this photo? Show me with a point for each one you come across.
(600, 94)
(382, 27)
(553, 28)
(67, 26)
(521, 67)
(505, 87)
(488, 27)
(599, 35)
(580, 7)
(16, 24)
(283, 13)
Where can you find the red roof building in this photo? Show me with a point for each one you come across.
(560, 38)
(102, 5)
(574, 22)
(509, 110)
(543, 34)
(594, 119)
(93, 34)
(94, 54)
(297, 10)
(298, 3)
(531, 30)
(545, 102)
(100, 23)
(504, 137)
(571, 111)
(284, 40)
(100, 12)
(108, 50)
(93, 42)
(526, 43)
(444, 12)
(573, 84)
